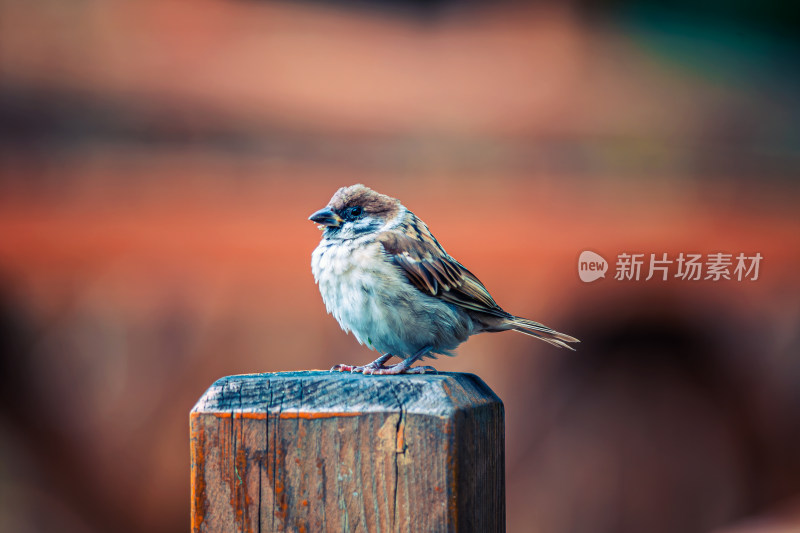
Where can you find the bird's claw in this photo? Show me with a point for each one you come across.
(422, 370)
(399, 368)
(382, 370)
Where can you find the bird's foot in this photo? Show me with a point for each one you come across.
(377, 366)
(365, 369)
(349, 368)
(371, 369)
(400, 369)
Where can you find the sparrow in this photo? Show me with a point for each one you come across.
(384, 276)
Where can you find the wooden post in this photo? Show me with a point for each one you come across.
(319, 451)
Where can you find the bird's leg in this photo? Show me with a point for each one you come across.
(377, 363)
(404, 366)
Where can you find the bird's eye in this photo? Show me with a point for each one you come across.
(355, 211)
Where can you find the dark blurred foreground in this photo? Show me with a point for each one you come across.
(158, 163)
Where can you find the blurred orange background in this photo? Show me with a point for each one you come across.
(158, 162)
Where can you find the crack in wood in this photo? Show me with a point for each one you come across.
(400, 448)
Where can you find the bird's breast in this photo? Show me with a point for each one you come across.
(353, 279)
(368, 295)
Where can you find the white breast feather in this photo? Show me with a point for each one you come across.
(368, 295)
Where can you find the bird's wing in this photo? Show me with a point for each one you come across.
(430, 269)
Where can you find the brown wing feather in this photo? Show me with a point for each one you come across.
(429, 268)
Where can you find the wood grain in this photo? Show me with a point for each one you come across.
(319, 451)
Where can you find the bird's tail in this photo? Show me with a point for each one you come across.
(540, 331)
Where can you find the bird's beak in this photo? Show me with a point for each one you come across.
(326, 217)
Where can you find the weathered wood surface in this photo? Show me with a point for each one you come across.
(319, 451)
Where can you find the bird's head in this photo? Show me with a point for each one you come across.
(356, 211)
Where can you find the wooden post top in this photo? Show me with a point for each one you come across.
(323, 394)
(358, 453)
